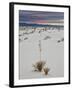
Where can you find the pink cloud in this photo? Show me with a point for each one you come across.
(40, 21)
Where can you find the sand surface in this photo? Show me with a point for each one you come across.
(52, 53)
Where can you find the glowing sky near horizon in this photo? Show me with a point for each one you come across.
(40, 17)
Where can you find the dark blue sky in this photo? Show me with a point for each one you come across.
(39, 16)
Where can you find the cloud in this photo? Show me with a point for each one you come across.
(40, 17)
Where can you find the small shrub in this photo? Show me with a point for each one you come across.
(58, 41)
(39, 65)
(46, 70)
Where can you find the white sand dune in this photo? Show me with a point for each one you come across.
(52, 53)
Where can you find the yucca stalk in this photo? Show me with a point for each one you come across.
(40, 48)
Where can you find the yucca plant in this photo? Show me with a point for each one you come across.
(46, 70)
(39, 65)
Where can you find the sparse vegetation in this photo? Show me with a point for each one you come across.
(47, 37)
(58, 41)
(39, 65)
(46, 70)
(61, 40)
(25, 38)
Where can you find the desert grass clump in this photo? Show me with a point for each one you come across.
(46, 70)
(39, 65)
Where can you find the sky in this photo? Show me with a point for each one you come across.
(40, 17)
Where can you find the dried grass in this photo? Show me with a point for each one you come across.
(46, 70)
(39, 65)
